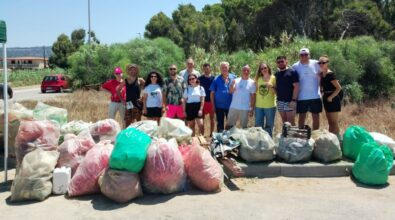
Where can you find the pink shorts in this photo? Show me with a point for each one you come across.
(208, 108)
(175, 111)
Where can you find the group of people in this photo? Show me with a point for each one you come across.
(306, 86)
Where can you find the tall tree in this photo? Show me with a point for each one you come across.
(78, 38)
(61, 48)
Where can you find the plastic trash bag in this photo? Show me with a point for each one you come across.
(294, 150)
(33, 179)
(373, 164)
(73, 149)
(203, 171)
(130, 150)
(255, 144)
(353, 139)
(85, 179)
(47, 112)
(20, 111)
(35, 134)
(120, 186)
(384, 140)
(149, 127)
(327, 146)
(174, 128)
(106, 129)
(164, 168)
(74, 127)
(13, 127)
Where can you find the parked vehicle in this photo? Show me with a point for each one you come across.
(9, 91)
(55, 82)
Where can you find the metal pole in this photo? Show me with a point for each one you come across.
(89, 21)
(5, 97)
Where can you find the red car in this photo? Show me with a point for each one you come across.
(55, 82)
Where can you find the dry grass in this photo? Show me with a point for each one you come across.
(374, 115)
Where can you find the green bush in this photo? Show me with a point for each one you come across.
(94, 63)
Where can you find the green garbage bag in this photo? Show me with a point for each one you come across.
(46, 112)
(130, 150)
(353, 139)
(373, 164)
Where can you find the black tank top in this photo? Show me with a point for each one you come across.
(133, 92)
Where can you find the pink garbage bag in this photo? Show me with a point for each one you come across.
(106, 129)
(164, 168)
(85, 179)
(73, 149)
(203, 171)
(35, 134)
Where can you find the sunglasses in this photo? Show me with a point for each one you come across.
(304, 55)
(153, 76)
(190, 79)
(280, 61)
(263, 68)
(322, 63)
(172, 69)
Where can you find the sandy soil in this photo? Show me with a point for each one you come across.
(275, 198)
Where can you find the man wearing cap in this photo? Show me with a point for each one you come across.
(172, 91)
(243, 101)
(130, 91)
(190, 64)
(309, 98)
(111, 86)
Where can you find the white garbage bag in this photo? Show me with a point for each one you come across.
(294, 150)
(326, 147)
(383, 139)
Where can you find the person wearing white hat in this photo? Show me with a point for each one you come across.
(309, 97)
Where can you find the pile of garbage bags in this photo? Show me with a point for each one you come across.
(100, 157)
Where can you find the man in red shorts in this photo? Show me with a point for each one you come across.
(172, 91)
(205, 80)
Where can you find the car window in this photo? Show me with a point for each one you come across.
(63, 78)
(50, 78)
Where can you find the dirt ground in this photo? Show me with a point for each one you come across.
(269, 198)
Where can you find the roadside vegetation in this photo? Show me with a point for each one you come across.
(18, 78)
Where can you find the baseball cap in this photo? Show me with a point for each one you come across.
(118, 71)
(304, 51)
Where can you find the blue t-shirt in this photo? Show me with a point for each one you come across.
(206, 83)
(221, 91)
(284, 84)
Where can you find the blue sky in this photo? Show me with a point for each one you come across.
(40, 22)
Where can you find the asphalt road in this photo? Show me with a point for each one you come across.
(32, 93)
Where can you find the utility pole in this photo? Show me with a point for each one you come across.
(45, 63)
(89, 21)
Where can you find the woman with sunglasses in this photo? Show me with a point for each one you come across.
(332, 95)
(152, 96)
(265, 106)
(194, 102)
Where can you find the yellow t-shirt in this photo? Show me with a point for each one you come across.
(265, 97)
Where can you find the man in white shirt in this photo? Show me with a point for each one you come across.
(309, 98)
(190, 64)
(243, 100)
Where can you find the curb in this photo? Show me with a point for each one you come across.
(309, 169)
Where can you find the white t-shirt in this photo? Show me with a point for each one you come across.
(154, 98)
(184, 74)
(193, 94)
(309, 80)
(242, 95)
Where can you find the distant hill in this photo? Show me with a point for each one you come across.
(28, 52)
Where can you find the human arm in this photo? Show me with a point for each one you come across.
(145, 95)
(295, 94)
(232, 86)
(336, 84)
(252, 104)
(119, 91)
(212, 98)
